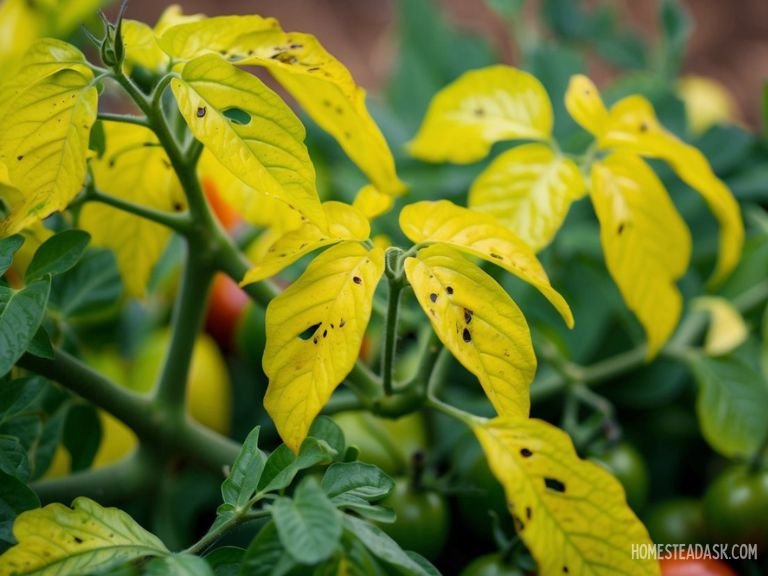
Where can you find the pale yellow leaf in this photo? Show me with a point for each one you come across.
(263, 144)
(133, 168)
(727, 329)
(371, 202)
(707, 102)
(86, 538)
(344, 223)
(48, 110)
(141, 47)
(529, 189)
(571, 513)
(479, 109)
(480, 235)
(646, 243)
(584, 104)
(173, 15)
(314, 332)
(478, 322)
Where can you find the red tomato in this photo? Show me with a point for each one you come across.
(225, 306)
(225, 213)
(703, 567)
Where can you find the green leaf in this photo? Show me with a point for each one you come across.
(325, 429)
(478, 322)
(382, 546)
(356, 479)
(98, 139)
(267, 152)
(82, 435)
(283, 465)
(731, 404)
(40, 345)
(13, 458)
(244, 477)
(178, 565)
(19, 321)
(57, 254)
(226, 561)
(15, 498)
(49, 440)
(91, 287)
(266, 555)
(8, 247)
(48, 110)
(676, 28)
(83, 538)
(18, 394)
(309, 524)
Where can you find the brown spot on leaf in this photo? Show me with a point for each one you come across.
(465, 334)
(201, 111)
(449, 290)
(525, 453)
(357, 280)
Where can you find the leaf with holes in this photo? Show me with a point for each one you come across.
(631, 126)
(483, 236)
(250, 130)
(478, 322)
(572, 514)
(319, 82)
(48, 110)
(136, 169)
(57, 539)
(647, 245)
(344, 223)
(479, 109)
(314, 332)
(529, 189)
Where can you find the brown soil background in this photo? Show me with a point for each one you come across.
(729, 42)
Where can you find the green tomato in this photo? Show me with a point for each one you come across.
(490, 565)
(422, 522)
(679, 521)
(628, 465)
(736, 507)
(388, 444)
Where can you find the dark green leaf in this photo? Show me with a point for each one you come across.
(8, 247)
(13, 458)
(57, 254)
(40, 345)
(244, 477)
(356, 479)
(725, 146)
(309, 525)
(82, 435)
(382, 546)
(676, 28)
(49, 440)
(19, 321)
(266, 555)
(179, 565)
(226, 561)
(26, 427)
(567, 19)
(425, 564)
(92, 286)
(325, 429)
(282, 466)
(15, 498)
(17, 394)
(732, 402)
(98, 140)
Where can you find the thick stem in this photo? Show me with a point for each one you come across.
(395, 286)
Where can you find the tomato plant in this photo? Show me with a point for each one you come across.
(544, 266)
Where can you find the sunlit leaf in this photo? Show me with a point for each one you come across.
(314, 332)
(250, 130)
(646, 243)
(727, 329)
(344, 223)
(136, 169)
(57, 539)
(529, 189)
(141, 47)
(478, 322)
(483, 236)
(371, 202)
(572, 514)
(48, 110)
(320, 83)
(584, 104)
(482, 107)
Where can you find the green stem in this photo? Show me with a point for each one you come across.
(213, 535)
(453, 412)
(124, 118)
(178, 222)
(395, 286)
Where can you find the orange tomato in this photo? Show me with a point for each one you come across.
(697, 567)
(224, 211)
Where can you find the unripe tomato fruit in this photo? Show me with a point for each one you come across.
(422, 519)
(702, 567)
(736, 507)
(490, 565)
(679, 521)
(628, 465)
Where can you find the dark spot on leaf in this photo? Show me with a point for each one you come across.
(466, 335)
(497, 256)
(177, 207)
(357, 280)
(339, 110)
(296, 46)
(643, 127)
(78, 540)
(250, 52)
(283, 255)
(327, 103)
(479, 112)
(525, 453)
(342, 323)
(200, 111)
(449, 289)
(332, 326)
(433, 297)
(314, 340)
(554, 484)
(20, 157)
(307, 334)
(468, 315)
(325, 333)
(313, 69)
(519, 526)
(620, 229)
(565, 570)
(528, 512)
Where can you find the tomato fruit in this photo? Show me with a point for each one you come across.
(490, 565)
(628, 465)
(698, 567)
(422, 519)
(388, 444)
(736, 507)
(226, 305)
(223, 210)
(679, 521)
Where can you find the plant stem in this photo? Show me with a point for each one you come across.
(124, 118)
(395, 286)
(178, 222)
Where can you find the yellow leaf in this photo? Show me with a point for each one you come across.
(173, 16)
(250, 130)
(707, 102)
(86, 538)
(646, 243)
(727, 329)
(20, 26)
(134, 168)
(584, 104)
(319, 82)
(314, 333)
(571, 513)
(478, 322)
(529, 189)
(371, 202)
(479, 109)
(48, 110)
(141, 47)
(480, 235)
(345, 223)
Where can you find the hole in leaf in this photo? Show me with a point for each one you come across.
(555, 485)
(237, 116)
(307, 334)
